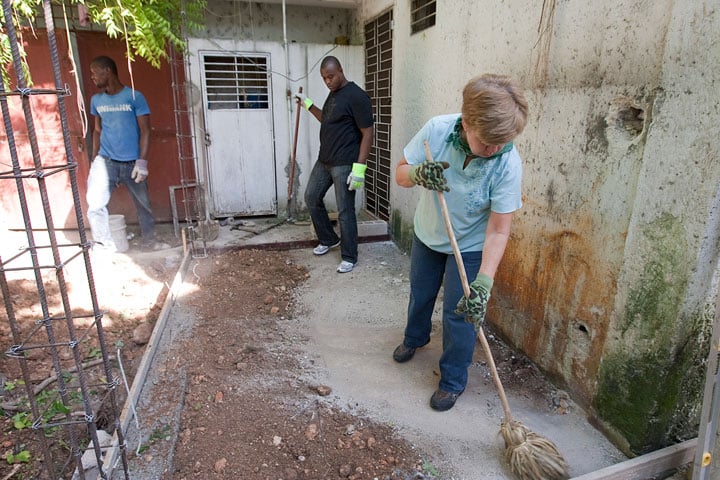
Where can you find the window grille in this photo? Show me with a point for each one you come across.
(236, 82)
(422, 15)
(378, 75)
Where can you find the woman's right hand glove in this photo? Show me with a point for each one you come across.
(430, 175)
(475, 307)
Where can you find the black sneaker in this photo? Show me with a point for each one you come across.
(404, 353)
(442, 400)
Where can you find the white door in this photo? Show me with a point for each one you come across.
(239, 120)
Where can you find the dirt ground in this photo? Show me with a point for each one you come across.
(273, 366)
(244, 412)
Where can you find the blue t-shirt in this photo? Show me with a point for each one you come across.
(485, 185)
(120, 135)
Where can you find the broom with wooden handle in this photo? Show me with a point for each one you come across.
(531, 456)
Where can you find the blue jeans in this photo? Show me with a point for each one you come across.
(105, 175)
(322, 177)
(428, 269)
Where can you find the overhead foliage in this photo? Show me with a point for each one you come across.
(148, 27)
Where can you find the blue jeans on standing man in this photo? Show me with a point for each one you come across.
(322, 177)
(428, 269)
(106, 175)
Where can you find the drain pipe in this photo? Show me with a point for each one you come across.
(288, 100)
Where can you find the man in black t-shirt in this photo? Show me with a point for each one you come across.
(346, 131)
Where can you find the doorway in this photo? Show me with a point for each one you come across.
(237, 94)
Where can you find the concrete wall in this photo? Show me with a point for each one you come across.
(607, 281)
(311, 33)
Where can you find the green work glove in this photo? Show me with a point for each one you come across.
(475, 307)
(307, 103)
(430, 175)
(356, 179)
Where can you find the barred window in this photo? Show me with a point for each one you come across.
(422, 15)
(236, 82)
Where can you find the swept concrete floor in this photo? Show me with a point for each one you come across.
(354, 322)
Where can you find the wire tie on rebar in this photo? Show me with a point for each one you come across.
(67, 92)
(36, 424)
(114, 384)
(89, 418)
(15, 351)
(72, 343)
(24, 92)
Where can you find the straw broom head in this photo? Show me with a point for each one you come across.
(531, 456)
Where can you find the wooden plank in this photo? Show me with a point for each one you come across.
(647, 466)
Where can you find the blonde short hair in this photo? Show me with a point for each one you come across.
(494, 107)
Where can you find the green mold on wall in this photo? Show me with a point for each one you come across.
(402, 232)
(649, 376)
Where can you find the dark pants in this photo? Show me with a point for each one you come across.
(428, 269)
(322, 177)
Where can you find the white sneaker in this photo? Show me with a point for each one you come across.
(345, 267)
(323, 249)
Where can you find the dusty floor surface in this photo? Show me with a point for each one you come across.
(273, 366)
(328, 386)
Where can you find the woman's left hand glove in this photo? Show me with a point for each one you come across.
(356, 179)
(475, 307)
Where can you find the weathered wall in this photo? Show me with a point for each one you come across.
(606, 281)
(252, 27)
(264, 21)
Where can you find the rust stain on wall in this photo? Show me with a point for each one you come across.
(554, 298)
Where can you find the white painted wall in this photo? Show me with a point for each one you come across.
(304, 70)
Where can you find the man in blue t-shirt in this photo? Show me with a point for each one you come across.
(121, 140)
(346, 131)
(479, 168)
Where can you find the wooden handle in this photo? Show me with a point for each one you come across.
(466, 289)
(291, 182)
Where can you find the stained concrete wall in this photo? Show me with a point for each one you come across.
(607, 281)
(311, 34)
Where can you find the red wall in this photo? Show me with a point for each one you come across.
(154, 83)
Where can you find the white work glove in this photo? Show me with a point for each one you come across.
(140, 171)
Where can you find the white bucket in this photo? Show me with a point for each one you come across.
(118, 232)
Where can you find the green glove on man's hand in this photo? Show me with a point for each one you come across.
(430, 175)
(475, 307)
(356, 179)
(306, 102)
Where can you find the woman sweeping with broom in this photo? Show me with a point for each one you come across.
(473, 189)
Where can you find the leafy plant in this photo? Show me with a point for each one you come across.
(21, 420)
(11, 385)
(23, 456)
(149, 27)
(160, 433)
(429, 468)
(94, 353)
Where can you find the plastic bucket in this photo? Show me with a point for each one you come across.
(118, 232)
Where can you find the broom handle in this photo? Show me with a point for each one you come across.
(291, 183)
(466, 290)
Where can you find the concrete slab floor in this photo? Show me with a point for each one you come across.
(355, 320)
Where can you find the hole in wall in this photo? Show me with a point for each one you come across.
(583, 328)
(627, 116)
(632, 119)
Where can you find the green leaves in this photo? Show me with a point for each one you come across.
(148, 26)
